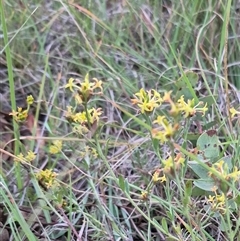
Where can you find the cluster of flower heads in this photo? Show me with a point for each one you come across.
(25, 158)
(165, 126)
(221, 169)
(56, 147)
(218, 202)
(88, 151)
(221, 174)
(47, 178)
(83, 91)
(170, 167)
(91, 115)
(148, 101)
(20, 115)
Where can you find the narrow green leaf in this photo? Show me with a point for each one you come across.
(121, 182)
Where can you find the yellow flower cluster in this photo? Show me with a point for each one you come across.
(21, 114)
(47, 178)
(222, 170)
(166, 131)
(89, 151)
(170, 165)
(218, 202)
(156, 178)
(27, 158)
(169, 169)
(91, 115)
(147, 101)
(189, 107)
(85, 89)
(56, 147)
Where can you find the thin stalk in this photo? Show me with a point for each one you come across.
(12, 94)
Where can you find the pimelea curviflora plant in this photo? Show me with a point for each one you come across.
(169, 119)
(83, 117)
(83, 92)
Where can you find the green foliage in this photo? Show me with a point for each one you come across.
(208, 145)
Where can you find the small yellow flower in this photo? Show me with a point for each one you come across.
(221, 199)
(56, 147)
(30, 156)
(168, 165)
(70, 84)
(80, 129)
(47, 177)
(234, 112)
(167, 96)
(80, 117)
(159, 135)
(218, 202)
(20, 158)
(85, 89)
(30, 99)
(86, 85)
(179, 161)
(160, 120)
(166, 131)
(211, 198)
(78, 98)
(20, 115)
(163, 178)
(144, 195)
(221, 167)
(91, 115)
(189, 107)
(95, 114)
(147, 101)
(98, 84)
(156, 178)
(235, 175)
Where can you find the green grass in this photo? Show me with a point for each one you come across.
(187, 47)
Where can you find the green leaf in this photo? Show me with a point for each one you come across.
(164, 224)
(237, 200)
(187, 193)
(127, 187)
(228, 160)
(209, 99)
(192, 78)
(121, 182)
(188, 188)
(198, 192)
(205, 184)
(185, 85)
(208, 144)
(199, 170)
